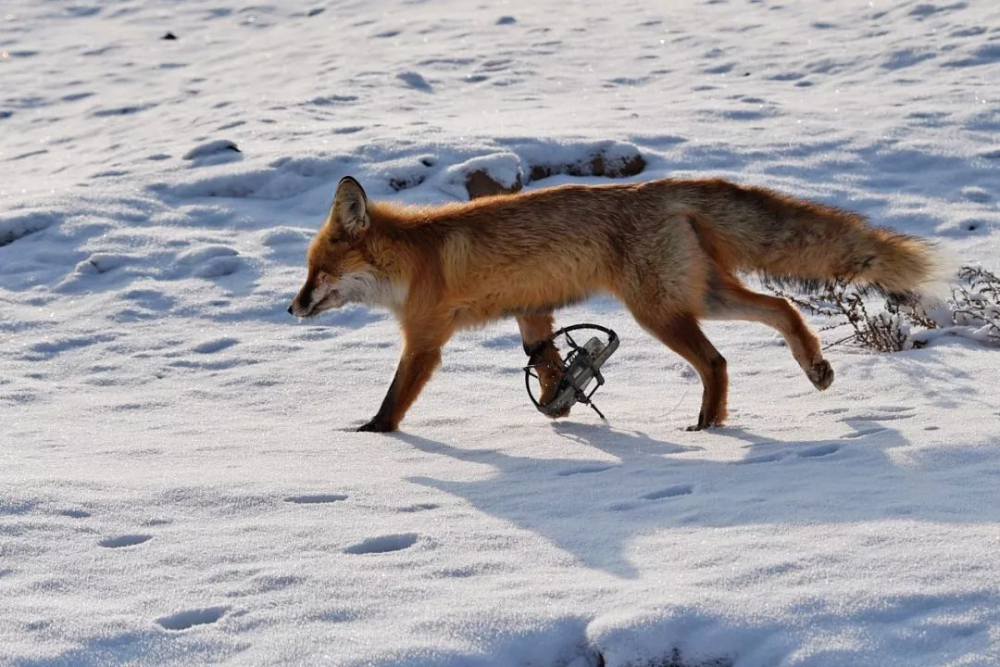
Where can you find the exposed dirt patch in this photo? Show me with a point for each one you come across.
(481, 184)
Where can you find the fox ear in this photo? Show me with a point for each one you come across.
(350, 207)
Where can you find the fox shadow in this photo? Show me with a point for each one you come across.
(593, 508)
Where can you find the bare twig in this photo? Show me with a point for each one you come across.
(885, 331)
(974, 309)
(976, 302)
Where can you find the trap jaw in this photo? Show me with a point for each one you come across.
(580, 367)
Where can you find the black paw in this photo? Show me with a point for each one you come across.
(703, 423)
(376, 425)
(709, 421)
(821, 375)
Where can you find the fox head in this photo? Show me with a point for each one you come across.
(340, 268)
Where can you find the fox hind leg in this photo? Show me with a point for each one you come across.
(682, 334)
(728, 299)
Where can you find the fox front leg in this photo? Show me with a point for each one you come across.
(536, 335)
(414, 370)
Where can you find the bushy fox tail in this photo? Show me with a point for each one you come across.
(793, 240)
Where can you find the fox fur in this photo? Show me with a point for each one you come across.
(670, 250)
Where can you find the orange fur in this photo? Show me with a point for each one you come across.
(669, 249)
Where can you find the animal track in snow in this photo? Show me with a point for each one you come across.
(828, 411)
(808, 453)
(192, 617)
(213, 152)
(214, 345)
(316, 499)
(281, 236)
(584, 470)
(16, 227)
(202, 254)
(888, 413)
(984, 55)
(101, 263)
(54, 346)
(333, 99)
(383, 544)
(670, 492)
(218, 267)
(821, 450)
(860, 433)
(121, 111)
(124, 541)
(75, 513)
(621, 507)
(419, 507)
(762, 458)
(416, 81)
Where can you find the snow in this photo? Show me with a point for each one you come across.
(179, 481)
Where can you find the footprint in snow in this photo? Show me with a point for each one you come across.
(214, 345)
(621, 507)
(16, 227)
(192, 617)
(828, 411)
(122, 111)
(383, 544)
(763, 458)
(414, 80)
(809, 453)
(584, 470)
(101, 263)
(822, 450)
(124, 541)
(890, 414)
(316, 499)
(419, 507)
(210, 261)
(670, 492)
(213, 152)
(860, 433)
(219, 267)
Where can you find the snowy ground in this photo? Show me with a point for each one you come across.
(178, 480)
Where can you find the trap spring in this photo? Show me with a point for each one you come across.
(579, 368)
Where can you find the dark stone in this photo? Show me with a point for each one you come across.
(480, 184)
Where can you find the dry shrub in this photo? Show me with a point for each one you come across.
(890, 329)
(973, 311)
(975, 304)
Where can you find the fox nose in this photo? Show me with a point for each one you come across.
(290, 310)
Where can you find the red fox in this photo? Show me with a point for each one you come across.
(671, 250)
